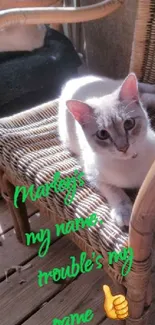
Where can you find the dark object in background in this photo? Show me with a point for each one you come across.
(31, 78)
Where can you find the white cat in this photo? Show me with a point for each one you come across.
(105, 124)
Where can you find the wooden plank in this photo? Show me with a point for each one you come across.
(14, 253)
(5, 216)
(152, 309)
(82, 294)
(109, 321)
(17, 301)
(152, 314)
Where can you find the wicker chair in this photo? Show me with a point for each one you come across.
(7, 4)
(31, 153)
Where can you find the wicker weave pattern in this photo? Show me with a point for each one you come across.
(143, 53)
(31, 150)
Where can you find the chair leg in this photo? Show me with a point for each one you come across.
(138, 297)
(136, 306)
(19, 215)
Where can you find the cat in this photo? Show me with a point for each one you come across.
(105, 123)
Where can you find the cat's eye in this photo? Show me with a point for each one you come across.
(102, 135)
(129, 124)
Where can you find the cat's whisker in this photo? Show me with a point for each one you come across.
(132, 102)
(129, 113)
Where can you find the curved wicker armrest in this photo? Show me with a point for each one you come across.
(7, 4)
(50, 15)
(143, 218)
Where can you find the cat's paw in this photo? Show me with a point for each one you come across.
(122, 213)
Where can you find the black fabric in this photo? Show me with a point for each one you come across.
(31, 78)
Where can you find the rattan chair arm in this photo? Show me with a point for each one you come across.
(143, 218)
(60, 15)
(8, 4)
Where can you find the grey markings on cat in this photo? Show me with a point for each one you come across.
(105, 123)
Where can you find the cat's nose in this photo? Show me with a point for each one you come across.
(124, 148)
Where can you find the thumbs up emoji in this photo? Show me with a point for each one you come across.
(116, 307)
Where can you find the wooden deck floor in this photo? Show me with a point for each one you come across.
(23, 302)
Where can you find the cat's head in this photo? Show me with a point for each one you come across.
(116, 124)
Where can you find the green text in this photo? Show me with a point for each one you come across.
(125, 255)
(75, 318)
(58, 185)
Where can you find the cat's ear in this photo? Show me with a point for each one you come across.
(82, 112)
(129, 88)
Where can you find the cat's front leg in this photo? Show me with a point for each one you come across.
(121, 206)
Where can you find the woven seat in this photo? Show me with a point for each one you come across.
(32, 153)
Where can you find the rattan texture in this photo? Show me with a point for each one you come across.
(143, 51)
(30, 150)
